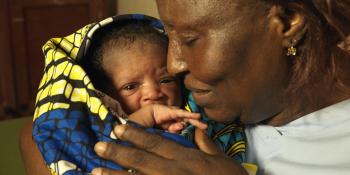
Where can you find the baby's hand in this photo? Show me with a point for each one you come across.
(175, 119)
(170, 118)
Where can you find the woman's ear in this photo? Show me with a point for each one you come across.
(345, 45)
(290, 27)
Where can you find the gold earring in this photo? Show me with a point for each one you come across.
(292, 51)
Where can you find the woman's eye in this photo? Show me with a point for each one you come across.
(167, 80)
(130, 87)
(190, 42)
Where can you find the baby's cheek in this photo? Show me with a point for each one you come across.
(130, 104)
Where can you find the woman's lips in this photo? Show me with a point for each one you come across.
(201, 96)
(200, 91)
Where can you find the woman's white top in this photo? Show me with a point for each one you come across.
(315, 144)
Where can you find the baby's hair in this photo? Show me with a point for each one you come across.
(117, 36)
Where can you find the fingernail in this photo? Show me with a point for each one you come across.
(205, 127)
(119, 130)
(96, 171)
(100, 147)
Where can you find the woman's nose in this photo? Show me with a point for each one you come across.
(175, 63)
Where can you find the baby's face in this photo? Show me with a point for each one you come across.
(140, 77)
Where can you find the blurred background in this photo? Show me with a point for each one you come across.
(25, 25)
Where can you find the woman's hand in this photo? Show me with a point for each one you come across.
(32, 159)
(156, 155)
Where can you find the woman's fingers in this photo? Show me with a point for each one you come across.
(150, 142)
(105, 171)
(155, 155)
(139, 160)
(205, 144)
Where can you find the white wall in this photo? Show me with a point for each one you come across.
(147, 7)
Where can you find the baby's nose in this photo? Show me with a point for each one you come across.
(152, 94)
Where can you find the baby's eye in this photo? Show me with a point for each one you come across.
(130, 87)
(168, 80)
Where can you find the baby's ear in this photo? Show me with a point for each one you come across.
(290, 26)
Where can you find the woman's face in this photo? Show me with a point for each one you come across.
(231, 59)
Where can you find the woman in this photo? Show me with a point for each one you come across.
(279, 64)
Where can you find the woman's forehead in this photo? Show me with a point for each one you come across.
(184, 12)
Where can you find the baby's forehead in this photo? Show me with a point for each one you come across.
(136, 52)
(137, 47)
(130, 36)
(136, 57)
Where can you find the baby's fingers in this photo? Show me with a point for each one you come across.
(180, 113)
(197, 123)
(176, 127)
(189, 117)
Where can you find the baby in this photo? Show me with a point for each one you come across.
(124, 57)
(128, 62)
